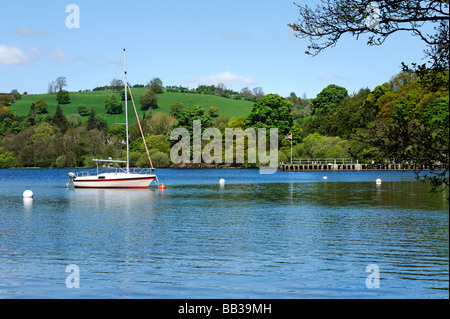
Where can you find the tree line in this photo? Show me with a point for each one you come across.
(404, 119)
(221, 90)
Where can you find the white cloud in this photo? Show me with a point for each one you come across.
(13, 56)
(27, 32)
(227, 78)
(115, 62)
(56, 55)
(331, 77)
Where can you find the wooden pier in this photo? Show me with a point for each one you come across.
(343, 164)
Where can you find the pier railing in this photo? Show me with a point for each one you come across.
(323, 161)
(348, 164)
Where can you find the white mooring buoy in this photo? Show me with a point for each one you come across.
(28, 194)
(221, 181)
(325, 177)
(378, 181)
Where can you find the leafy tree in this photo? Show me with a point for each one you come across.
(186, 120)
(325, 24)
(116, 84)
(32, 113)
(436, 114)
(329, 98)
(91, 123)
(41, 106)
(297, 103)
(95, 143)
(7, 159)
(156, 86)
(113, 106)
(271, 111)
(213, 111)
(237, 122)
(149, 101)
(318, 146)
(118, 131)
(159, 159)
(176, 109)
(349, 115)
(373, 103)
(160, 123)
(21, 146)
(342, 120)
(62, 97)
(15, 95)
(102, 123)
(158, 142)
(412, 125)
(43, 139)
(206, 89)
(74, 119)
(306, 148)
(221, 121)
(60, 120)
(135, 130)
(188, 115)
(83, 110)
(6, 99)
(74, 146)
(61, 161)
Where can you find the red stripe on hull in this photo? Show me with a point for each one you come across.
(111, 187)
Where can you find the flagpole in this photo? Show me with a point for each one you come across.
(291, 147)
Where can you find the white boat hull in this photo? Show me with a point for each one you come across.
(114, 180)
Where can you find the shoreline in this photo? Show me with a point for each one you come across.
(189, 166)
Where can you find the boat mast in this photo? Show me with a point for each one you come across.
(126, 111)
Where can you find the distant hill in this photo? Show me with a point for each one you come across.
(96, 99)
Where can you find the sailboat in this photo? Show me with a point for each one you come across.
(119, 177)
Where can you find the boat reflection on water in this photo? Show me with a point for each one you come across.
(109, 199)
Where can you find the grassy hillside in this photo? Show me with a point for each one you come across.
(96, 99)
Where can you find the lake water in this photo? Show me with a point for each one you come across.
(281, 236)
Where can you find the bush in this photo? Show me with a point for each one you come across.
(317, 146)
(176, 108)
(159, 159)
(7, 159)
(148, 101)
(135, 158)
(113, 106)
(213, 111)
(61, 161)
(63, 97)
(41, 106)
(83, 110)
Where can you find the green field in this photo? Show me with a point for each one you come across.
(96, 99)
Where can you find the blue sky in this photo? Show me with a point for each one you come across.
(241, 43)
